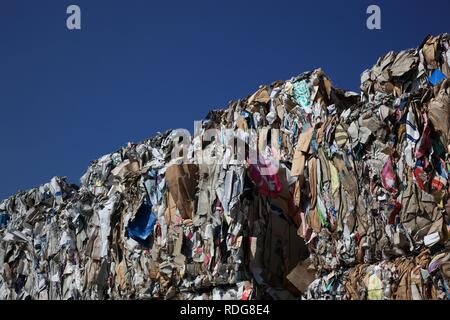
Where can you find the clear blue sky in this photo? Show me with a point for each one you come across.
(138, 67)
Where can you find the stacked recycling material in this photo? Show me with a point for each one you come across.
(337, 196)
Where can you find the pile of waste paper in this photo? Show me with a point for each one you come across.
(299, 191)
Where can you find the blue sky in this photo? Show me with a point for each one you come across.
(139, 67)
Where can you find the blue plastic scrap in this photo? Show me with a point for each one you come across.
(141, 228)
(4, 218)
(437, 77)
